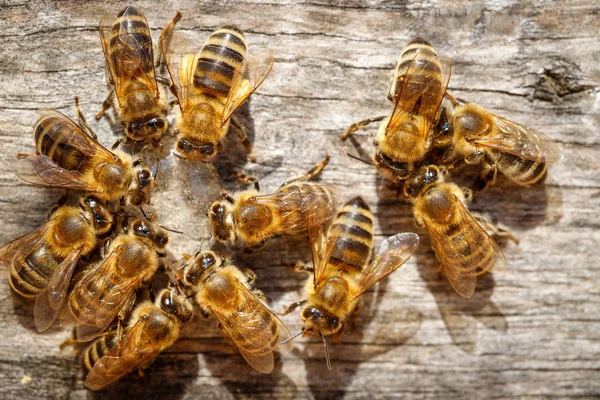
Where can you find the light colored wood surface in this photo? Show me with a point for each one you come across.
(531, 332)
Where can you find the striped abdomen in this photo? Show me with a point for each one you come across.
(57, 139)
(98, 349)
(30, 274)
(420, 66)
(303, 204)
(520, 170)
(220, 62)
(130, 44)
(353, 227)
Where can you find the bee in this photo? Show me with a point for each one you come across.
(225, 292)
(42, 261)
(209, 87)
(480, 137)
(341, 269)
(108, 289)
(98, 348)
(254, 217)
(67, 157)
(152, 328)
(130, 70)
(417, 89)
(462, 247)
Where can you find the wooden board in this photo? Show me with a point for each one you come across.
(531, 332)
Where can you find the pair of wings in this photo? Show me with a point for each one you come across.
(250, 329)
(49, 302)
(419, 92)
(301, 207)
(41, 170)
(462, 264)
(393, 253)
(107, 294)
(246, 80)
(132, 57)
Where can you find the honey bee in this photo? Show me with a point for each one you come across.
(98, 348)
(480, 137)
(225, 292)
(108, 289)
(341, 269)
(152, 328)
(254, 217)
(417, 89)
(130, 70)
(42, 261)
(209, 87)
(67, 157)
(462, 247)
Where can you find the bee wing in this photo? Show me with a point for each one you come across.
(256, 70)
(49, 302)
(418, 88)
(322, 246)
(393, 253)
(30, 242)
(134, 57)
(521, 141)
(251, 331)
(122, 359)
(42, 171)
(181, 64)
(457, 262)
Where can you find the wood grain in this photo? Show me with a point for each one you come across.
(532, 332)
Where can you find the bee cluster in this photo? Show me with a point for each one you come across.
(88, 262)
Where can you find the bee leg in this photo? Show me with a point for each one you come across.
(495, 229)
(82, 121)
(293, 306)
(253, 247)
(105, 106)
(141, 373)
(243, 178)
(314, 171)
(487, 177)
(359, 125)
(165, 37)
(261, 296)
(205, 314)
(72, 341)
(301, 266)
(337, 337)
(243, 138)
(250, 277)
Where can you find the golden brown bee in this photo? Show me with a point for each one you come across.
(341, 269)
(151, 329)
(253, 217)
(462, 247)
(42, 261)
(130, 71)
(417, 89)
(225, 292)
(67, 157)
(98, 348)
(210, 86)
(480, 137)
(108, 289)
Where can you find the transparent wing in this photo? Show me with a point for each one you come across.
(132, 55)
(322, 246)
(122, 359)
(521, 141)
(466, 255)
(256, 70)
(42, 171)
(393, 253)
(49, 302)
(181, 63)
(27, 243)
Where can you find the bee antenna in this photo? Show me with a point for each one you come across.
(171, 230)
(359, 159)
(326, 351)
(143, 213)
(293, 337)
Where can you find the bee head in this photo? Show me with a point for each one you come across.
(102, 217)
(201, 121)
(197, 151)
(423, 178)
(192, 270)
(140, 189)
(145, 228)
(318, 322)
(151, 129)
(221, 225)
(405, 141)
(174, 302)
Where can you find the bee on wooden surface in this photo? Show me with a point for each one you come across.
(480, 137)
(108, 289)
(224, 291)
(70, 157)
(130, 70)
(463, 248)
(42, 261)
(253, 217)
(209, 87)
(152, 328)
(417, 89)
(98, 348)
(341, 269)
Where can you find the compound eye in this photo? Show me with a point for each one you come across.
(208, 149)
(144, 176)
(141, 228)
(166, 302)
(158, 123)
(208, 260)
(184, 145)
(161, 240)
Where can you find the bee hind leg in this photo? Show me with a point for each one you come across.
(165, 36)
(487, 177)
(495, 229)
(293, 306)
(241, 131)
(314, 171)
(243, 178)
(359, 125)
(105, 106)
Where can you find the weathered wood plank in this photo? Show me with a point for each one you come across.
(533, 331)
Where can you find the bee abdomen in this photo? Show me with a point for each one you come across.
(56, 139)
(221, 58)
(98, 349)
(353, 227)
(472, 258)
(523, 171)
(130, 36)
(29, 275)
